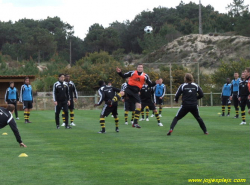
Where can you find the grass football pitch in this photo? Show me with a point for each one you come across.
(133, 156)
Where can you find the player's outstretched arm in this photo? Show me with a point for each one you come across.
(118, 70)
(22, 145)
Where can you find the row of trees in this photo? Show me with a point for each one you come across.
(41, 39)
(101, 66)
(168, 24)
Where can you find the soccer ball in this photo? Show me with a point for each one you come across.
(148, 29)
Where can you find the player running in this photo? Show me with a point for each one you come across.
(107, 93)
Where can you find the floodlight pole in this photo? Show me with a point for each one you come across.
(171, 90)
(198, 71)
(70, 62)
(200, 22)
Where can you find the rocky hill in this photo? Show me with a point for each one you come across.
(205, 49)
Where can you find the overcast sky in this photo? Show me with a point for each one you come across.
(83, 13)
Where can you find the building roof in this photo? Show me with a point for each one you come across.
(15, 78)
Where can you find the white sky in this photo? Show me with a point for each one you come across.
(83, 13)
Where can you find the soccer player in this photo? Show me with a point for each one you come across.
(243, 96)
(146, 95)
(107, 93)
(73, 98)
(61, 100)
(234, 93)
(6, 118)
(129, 105)
(189, 91)
(26, 97)
(135, 83)
(225, 94)
(11, 97)
(160, 90)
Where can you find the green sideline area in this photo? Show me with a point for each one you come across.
(133, 156)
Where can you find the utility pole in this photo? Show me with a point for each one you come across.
(200, 22)
(171, 91)
(70, 52)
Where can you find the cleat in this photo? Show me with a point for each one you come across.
(222, 115)
(236, 116)
(169, 132)
(17, 118)
(101, 132)
(132, 122)
(126, 123)
(68, 127)
(57, 126)
(29, 121)
(117, 130)
(63, 124)
(228, 115)
(160, 115)
(142, 119)
(243, 123)
(147, 119)
(160, 124)
(136, 126)
(112, 116)
(152, 115)
(72, 124)
(206, 133)
(26, 122)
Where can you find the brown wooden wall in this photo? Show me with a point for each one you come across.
(5, 83)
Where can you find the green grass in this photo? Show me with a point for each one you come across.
(134, 156)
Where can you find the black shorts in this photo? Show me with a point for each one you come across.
(244, 102)
(150, 104)
(132, 96)
(106, 110)
(129, 105)
(225, 100)
(159, 101)
(27, 105)
(11, 101)
(184, 109)
(72, 105)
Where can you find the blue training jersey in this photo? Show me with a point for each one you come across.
(160, 90)
(12, 93)
(235, 84)
(26, 93)
(226, 90)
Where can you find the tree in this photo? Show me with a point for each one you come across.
(99, 39)
(40, 41)
(226, 70)
(242, 26)
(236, 8)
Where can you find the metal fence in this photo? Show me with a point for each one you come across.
(44, 101)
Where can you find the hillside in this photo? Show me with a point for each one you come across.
(206, 49)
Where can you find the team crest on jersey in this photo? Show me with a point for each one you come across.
(138, 79)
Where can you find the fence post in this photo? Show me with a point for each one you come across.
(211, 98)
(171, 101)
(96, 97)
(36, 101)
